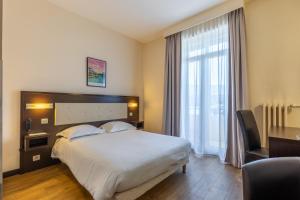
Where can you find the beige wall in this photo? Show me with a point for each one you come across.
(45, 49)
(1, 96)
(153, 70)
(273, 53)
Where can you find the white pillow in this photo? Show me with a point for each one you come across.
(116, 126)
(80, 131)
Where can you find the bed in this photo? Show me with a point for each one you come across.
(122, 165)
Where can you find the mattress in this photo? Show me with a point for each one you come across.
(111, 163)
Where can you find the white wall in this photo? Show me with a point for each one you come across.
(153, 70)
(45, 49)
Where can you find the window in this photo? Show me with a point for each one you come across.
(204, 85)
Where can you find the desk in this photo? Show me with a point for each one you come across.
(283, 142)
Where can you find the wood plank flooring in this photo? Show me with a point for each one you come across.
(206, 179)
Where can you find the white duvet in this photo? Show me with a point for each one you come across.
(108, 163)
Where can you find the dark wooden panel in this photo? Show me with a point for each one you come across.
(45, 159)
(283, 142)
(138, 124)
(26, 163)
(279, 147)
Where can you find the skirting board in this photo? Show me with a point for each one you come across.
(11, 173)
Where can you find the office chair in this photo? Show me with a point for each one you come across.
(250, 134)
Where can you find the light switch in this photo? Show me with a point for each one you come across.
(44, 121)
(36, 158)
(130, 114)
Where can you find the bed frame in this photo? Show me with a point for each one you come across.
(35, 115)
(138, 191)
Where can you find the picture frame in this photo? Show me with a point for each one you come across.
(96, 72)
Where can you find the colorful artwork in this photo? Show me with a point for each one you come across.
(96, 72)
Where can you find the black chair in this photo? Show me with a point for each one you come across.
(250, 134)
(272, 179)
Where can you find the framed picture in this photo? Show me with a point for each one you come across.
(96, 72)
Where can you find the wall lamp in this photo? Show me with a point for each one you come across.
(39, 106)
(35, 106)
(132, 105)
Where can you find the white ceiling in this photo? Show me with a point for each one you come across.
(143, 20)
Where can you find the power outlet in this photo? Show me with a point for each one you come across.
(36, 158)
(44, 121)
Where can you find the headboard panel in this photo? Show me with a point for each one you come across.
(70, 113)
(31, 97)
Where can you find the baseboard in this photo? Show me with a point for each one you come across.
(11, 173)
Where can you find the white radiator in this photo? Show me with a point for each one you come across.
(273, 115)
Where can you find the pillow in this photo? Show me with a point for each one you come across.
(80, 131)
(116, 126)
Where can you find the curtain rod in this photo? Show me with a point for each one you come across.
(202, 22)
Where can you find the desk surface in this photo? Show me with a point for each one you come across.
(284, 133)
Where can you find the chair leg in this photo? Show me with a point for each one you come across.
(184, 169)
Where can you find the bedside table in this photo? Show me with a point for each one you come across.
(138, 124)
(36, 153)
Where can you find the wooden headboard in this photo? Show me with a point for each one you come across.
(30, 97)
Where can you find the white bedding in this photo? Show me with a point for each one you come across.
(108, 163)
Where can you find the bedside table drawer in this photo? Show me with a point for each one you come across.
(36, 159)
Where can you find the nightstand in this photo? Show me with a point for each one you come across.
(36, 153)
(138, 124)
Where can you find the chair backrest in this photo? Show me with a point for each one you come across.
(275, 178)
(249, 129)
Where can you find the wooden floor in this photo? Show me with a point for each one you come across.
(206, 179)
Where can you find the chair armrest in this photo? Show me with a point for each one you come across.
(275, 178)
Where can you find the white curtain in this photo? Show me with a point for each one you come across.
(204, 87)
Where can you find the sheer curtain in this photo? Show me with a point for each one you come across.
(204, 87)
